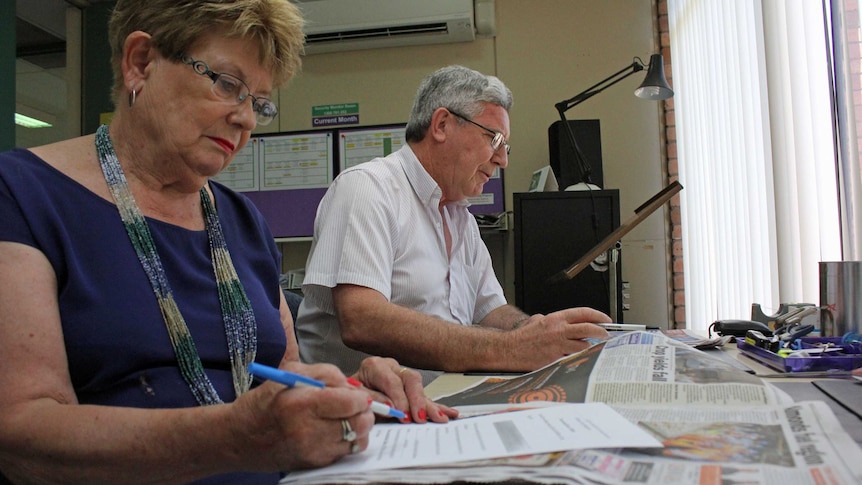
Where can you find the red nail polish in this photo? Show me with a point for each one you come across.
(408, 419)
(369, 401)
(354, 382)
(440, 413)
(422, 414)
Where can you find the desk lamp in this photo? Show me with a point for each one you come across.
(654, 87)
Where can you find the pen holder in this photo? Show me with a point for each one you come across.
(847, 358)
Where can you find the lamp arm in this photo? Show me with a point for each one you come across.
(600, 86)
(577, 99)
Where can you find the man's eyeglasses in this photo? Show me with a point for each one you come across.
(497, 139)
(232, 88)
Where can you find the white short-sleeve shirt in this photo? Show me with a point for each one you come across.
(379, 226)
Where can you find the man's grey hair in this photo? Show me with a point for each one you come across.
(458, 88)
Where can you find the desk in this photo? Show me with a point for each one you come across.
(800, 389)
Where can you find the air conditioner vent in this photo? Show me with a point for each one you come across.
(344, 25)
(440, 28)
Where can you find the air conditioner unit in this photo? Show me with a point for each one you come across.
(342, 25)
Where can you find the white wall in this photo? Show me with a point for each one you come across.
(545, 51)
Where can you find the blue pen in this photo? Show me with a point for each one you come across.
(292, 379)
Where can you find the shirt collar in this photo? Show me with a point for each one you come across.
(425, 187)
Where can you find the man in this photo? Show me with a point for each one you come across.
(397, 266)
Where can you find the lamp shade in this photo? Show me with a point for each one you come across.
(655, 85)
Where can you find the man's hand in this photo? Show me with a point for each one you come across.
(542, 339)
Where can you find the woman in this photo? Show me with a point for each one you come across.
(134, 292)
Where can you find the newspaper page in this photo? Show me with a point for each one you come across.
(643, 368)
(717, 424)
(695, 340)
(791, 444)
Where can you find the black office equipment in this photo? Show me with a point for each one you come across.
(588, 134)
(553, 228)
(738, 328)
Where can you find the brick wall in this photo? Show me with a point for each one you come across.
(669, 135)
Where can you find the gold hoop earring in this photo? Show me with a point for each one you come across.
(133, 96)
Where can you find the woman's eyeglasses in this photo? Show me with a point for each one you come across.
(497, 139)
(232, 88)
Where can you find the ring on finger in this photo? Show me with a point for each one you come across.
(347, 433)
(401, 371)
(354, 448)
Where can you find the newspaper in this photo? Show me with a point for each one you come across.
(697, 341)
(718, 425)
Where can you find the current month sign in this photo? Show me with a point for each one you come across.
(335, 114)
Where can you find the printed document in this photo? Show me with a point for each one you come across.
(546, 429)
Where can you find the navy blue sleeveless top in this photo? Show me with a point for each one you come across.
(119, 352)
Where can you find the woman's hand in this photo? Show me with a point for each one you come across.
(401, 388)
(303, 427)
(281, 428)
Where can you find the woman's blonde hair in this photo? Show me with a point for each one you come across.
(175, 25)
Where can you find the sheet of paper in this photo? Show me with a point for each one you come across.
(542, 430)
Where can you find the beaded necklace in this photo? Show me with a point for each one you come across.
(237, 313)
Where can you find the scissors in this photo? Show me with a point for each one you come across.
(790, 337)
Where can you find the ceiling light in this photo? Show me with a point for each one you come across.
(28, 122)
